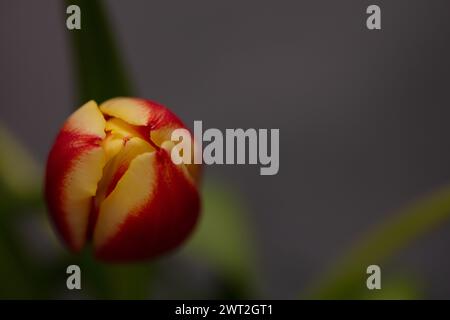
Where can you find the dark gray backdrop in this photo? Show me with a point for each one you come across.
(363, 115)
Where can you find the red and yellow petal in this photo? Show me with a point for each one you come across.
(146, 119)
(74, 167)
(110, 179)
(153, 209)
(119, 164)
(140, 112)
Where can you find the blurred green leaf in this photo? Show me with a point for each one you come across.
(100, 71)
(223, 238)
(20, 182)
(349, 276)
(397, 287)
(20, 193)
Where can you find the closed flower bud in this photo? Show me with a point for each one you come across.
(110, 181)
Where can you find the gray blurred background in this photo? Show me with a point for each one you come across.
(363, 115)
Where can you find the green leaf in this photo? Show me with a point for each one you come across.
(397, 287)
(223, 239)
(100, 71)
(20, 177)
(349, 276)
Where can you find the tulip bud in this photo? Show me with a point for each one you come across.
(110, 181)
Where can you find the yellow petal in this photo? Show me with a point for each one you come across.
(87, 120)
(130, 110)
(80, 186)
(123, 129)
(133, 190)
(112, 145)
(116, 167)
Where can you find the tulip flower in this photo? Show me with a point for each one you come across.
(110, 181)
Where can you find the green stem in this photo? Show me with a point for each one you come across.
(97, 61)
